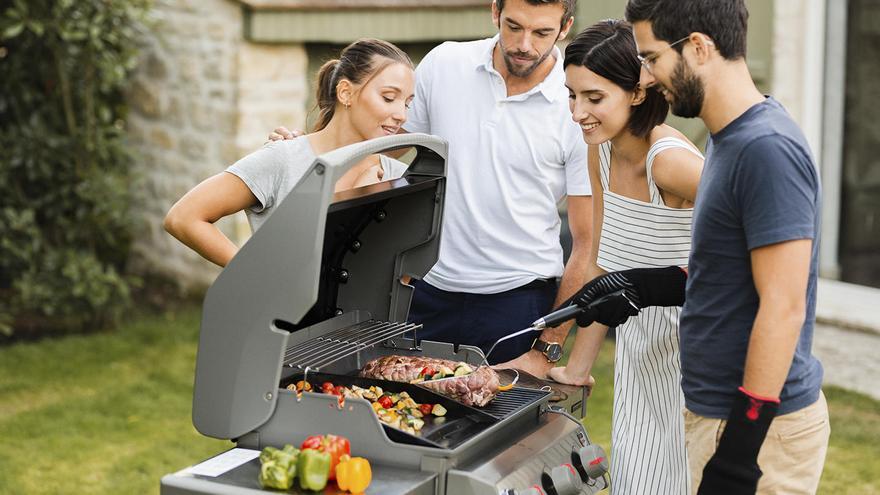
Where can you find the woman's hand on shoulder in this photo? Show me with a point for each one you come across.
(282, 133)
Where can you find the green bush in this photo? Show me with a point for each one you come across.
(65, 179)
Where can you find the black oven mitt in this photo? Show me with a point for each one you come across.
(733, 469)
(639, 288)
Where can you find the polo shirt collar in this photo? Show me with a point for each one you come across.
(549, 87)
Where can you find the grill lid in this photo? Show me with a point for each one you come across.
(317, 256)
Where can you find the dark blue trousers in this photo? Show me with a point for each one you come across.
(482, 319)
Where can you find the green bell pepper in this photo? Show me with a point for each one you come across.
(313, 468)
(278, 467)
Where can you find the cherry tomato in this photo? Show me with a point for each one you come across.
(425, 409)
(428, 371)
(327, 388)
(385, 402)
(339, 390)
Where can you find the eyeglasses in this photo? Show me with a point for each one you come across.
(648, 62)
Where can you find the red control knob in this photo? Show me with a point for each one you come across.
(591, 462)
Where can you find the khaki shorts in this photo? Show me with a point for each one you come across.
(791, 457)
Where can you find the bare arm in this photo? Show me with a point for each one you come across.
(780, 272)
(580, 222)
(677, 171)
(588, 341)
(191, 219)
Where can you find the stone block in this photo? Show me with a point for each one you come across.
(144, 98)
(271, 62)
(162, 138)
(193, 147)
(155, 67)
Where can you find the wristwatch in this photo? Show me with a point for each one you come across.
(551, 350)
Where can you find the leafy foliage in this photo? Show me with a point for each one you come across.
(65, 223)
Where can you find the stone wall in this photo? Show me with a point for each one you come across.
(201, 98)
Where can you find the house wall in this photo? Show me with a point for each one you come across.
(201, 98)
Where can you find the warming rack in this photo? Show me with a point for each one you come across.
(338, 344)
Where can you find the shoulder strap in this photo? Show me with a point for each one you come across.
(605, 164)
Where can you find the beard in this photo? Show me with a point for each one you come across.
(517, 70)
(687, 92)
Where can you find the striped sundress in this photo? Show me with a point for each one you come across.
(647, 432)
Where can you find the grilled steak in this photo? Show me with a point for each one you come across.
(474, 389)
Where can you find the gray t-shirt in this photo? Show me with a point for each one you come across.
(273, 170)
(759, 187)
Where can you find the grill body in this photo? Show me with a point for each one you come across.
(318, 291)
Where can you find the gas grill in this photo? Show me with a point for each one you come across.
(319, 291)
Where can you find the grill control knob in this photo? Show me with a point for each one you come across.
(562, 480)
(591, 462)
(524, 491)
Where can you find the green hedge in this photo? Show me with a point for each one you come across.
(65, 180)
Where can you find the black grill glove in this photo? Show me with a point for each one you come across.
(642, 287)
(733, 469)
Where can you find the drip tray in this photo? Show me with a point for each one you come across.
(460, 423)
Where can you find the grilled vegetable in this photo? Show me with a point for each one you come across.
(278, 467)
(394, 409)
(353, 474)
(334, 445)
(314, 469)
(438, 410)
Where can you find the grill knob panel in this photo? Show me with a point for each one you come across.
(591, 462)
(562, 480)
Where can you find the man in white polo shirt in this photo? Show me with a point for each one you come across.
(514, 154)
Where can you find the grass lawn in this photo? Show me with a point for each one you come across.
(110, 414)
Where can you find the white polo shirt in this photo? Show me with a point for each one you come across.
(511, 160)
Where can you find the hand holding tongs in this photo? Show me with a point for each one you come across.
(590, 313)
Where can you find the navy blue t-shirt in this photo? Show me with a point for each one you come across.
(759, 187)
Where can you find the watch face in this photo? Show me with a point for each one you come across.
(553, 352)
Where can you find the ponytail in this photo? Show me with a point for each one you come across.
(326, 92)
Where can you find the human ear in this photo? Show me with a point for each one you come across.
(564, 32)
(344, 92)
(703, 46)
(638, 96)
(496, 15)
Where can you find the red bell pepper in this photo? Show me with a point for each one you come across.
(335, 445)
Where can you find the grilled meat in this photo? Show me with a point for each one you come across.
(474, 389)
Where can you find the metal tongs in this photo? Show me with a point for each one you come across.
(551, 320)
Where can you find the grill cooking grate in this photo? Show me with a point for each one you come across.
(509, 402)
(338, 344)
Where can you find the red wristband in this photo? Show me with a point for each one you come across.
(759, 397)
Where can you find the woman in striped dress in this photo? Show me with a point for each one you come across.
(642, 214)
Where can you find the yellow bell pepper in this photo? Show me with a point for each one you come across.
(353, 474)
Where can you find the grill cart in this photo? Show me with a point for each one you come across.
(318, 291)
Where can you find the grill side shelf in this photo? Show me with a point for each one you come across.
(322, 351)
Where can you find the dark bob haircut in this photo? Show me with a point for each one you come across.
(608, 48)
